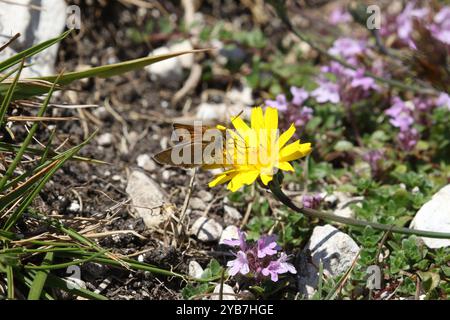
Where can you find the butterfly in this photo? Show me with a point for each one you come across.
(199, 146)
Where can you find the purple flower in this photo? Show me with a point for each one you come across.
(277, 267)
(408, 138)
(302, 118)
(347, 48)
(326, 92)
(273, 269)
(441, 26)
(260, 259)
(284, 265)
(241, 241)
(239, 265)
(299, 95)
(360, 80)
(266, 246)
(339, 15)
(402, 121)
(401, 114)
(374, 158)
(443, 100)
(405, 21)
(312, 201)
(279, 103)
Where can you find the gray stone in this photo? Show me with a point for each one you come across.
(227, 292)
(35, 26)
(335, 249)
(147, 198)
(145, 162)
(435, 216)
(105, 139)
(197, 204)
(206, 229)
(229, 233)
(195, 270)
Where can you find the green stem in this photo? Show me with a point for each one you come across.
(278, 193)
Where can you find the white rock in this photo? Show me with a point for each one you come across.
(35, 26)
(211, 111)
(205, 195)
(105, 139)
(227, 292)
(197, 204)
(435, 216)
(232, 213)
(147, 198)
(186, 60)
(75, 283)
(206, 229)
(145, 162)
(229, 233)
(243, 96)
(207, 111)
(195, 270)
(165, 69)
(74, 206)
(335, 249)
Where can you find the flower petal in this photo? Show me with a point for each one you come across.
(271, 119)
(284, 138)
(286, 166)
(257, 119)
(294, 151)
(240, 125)
(241, 179)
(266, 178)
(222, 178)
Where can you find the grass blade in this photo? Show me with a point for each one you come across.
(40, 278)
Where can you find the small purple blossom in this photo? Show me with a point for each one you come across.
(405, 21)
(312, 201)
(277, 267)
(408, 138)
(260, 259)
(267, 246)
(374, 159)
(347, 48)
(441, 25)
(299, 95)
(339, 15)
(279, 103)
(239, 265)
(326, 92)
(443, 100)
(360, 80)
(241, 241)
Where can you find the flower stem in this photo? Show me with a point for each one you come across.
(279, 194)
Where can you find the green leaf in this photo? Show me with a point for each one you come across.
(40, 278)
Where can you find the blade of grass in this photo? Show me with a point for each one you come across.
(60, 162)
(31, 51)
(40, 278)
(56, 282)
(117, 68)
(10, 279)
(28, 139)
(7, 99)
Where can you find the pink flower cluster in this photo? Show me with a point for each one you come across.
(401, 116)
(294, 111)
(349, 85)
(259, 260)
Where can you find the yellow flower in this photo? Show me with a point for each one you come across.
(258, 151)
